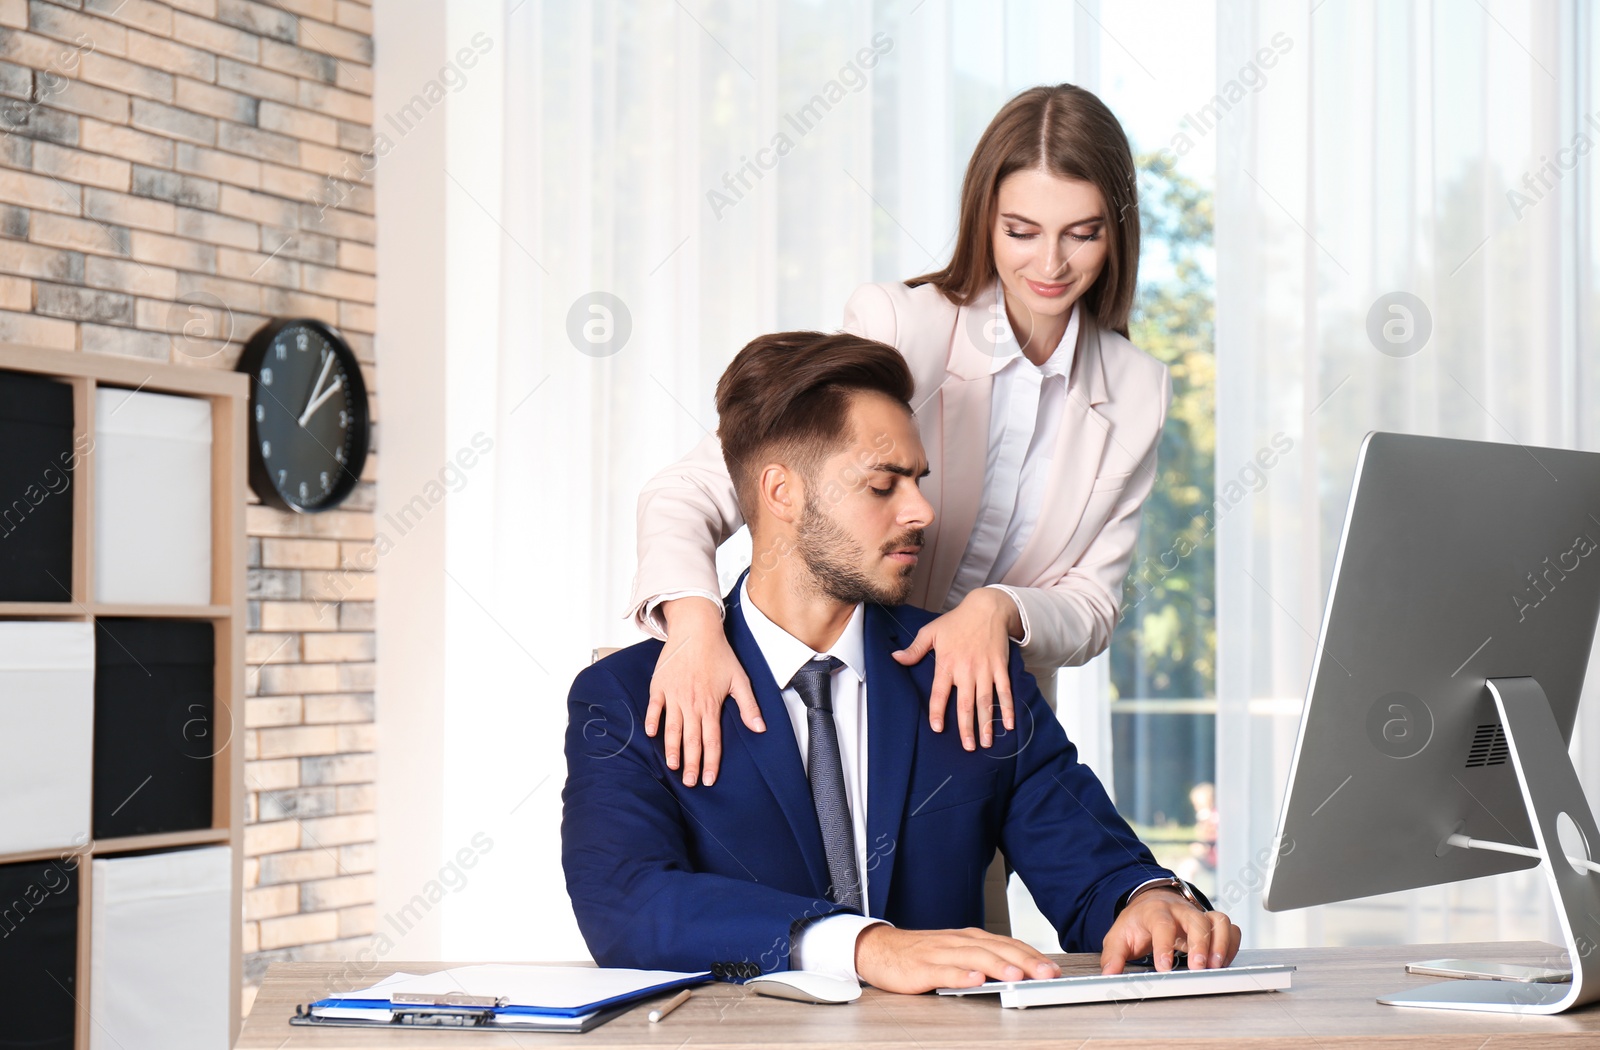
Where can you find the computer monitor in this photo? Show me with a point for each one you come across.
(1443, 692)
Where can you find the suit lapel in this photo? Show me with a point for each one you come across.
(894, 711)
(776, 752)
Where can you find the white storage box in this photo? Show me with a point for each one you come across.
(47, 711)
(152, 492)
(159, 964)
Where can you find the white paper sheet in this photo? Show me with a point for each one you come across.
(549, 987)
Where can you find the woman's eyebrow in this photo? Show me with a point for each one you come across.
(1031, 222)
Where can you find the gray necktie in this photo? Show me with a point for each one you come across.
(825, 770)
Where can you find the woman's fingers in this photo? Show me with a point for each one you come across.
(1002, 688)
(711, 745)
(745, 697)
(965, 703)
(652, 713)
(917, 649)
(672, 740)
(691, 751)
(939, 699)
(984, 710)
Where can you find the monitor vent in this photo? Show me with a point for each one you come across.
(1488, 747)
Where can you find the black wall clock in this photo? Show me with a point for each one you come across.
(308, 415)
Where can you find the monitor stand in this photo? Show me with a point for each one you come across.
(1555, 800)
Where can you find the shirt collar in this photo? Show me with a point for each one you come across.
(786, 654)
(1059, 363)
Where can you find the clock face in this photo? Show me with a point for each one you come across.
(308, 415)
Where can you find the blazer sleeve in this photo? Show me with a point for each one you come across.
(685, 512)
(1069, 622)
(1061, 831)
(870, 314)
(624, 849)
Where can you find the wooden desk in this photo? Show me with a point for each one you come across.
(1331, 1005)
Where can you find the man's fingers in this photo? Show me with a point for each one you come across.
(953, 977)
(1221, 936)
(1232, 950)
(991, 963)
(749, 708)
(1024, 956)
(1163, 939)
(711, 747)
(673, 740)
(1196, 937)
(1114, 954)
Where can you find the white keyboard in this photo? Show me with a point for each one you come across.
(1122, 987)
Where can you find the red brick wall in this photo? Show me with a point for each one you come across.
(164, 189)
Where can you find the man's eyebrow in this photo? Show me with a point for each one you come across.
(904, 472)
(1031, 222)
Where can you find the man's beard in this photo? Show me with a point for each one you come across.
(834, 561)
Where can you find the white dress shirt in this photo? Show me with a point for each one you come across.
(1025, 406)
(827, 945)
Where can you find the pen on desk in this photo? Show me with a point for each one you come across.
(670, 1005)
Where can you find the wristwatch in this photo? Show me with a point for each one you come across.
(1188, 892)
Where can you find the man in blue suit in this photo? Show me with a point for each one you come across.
(849, 837)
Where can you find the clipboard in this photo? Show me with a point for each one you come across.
(477, 1017)
(572, 999)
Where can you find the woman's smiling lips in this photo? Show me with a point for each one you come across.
(1049, 291)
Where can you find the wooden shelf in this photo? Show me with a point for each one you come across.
(78, 611)
(164, 840)
(228, 394)
(43, 854)
(66, 610)
(126, 844)
(167, 612)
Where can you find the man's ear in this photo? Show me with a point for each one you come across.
(781, 492)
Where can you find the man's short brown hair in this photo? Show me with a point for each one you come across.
(789, 393)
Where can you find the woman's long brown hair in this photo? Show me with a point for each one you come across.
(1068, 132)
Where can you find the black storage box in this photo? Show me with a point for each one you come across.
(155, 730)
(39, 953)
(36, 475)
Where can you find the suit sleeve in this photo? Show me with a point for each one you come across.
(1061, 831)
(1070, 621)
(685, 513)
(624, 848)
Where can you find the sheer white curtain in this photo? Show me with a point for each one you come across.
(1383, 155)
(652, 185)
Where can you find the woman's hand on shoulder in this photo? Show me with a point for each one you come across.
(972, 658)
(695, 674)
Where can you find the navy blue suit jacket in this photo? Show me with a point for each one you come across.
(720, 877)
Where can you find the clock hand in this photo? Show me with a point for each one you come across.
(327, 363)
(317, 402)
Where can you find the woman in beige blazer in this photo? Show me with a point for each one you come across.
(1039, 418)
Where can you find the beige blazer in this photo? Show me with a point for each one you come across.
(1068, 579)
